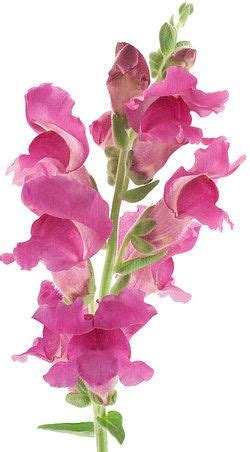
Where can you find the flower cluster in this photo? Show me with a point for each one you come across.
(84, 338)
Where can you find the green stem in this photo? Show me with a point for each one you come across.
(100, 433)
(115, 211)
(108, 269)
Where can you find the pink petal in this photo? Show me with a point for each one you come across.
(50, 108)
(48, 294)
(63, 318)
(73, 282)
(63, 374)
(149, 157)
(55, 241)
(69, 199)
(129, 76)
(133, 373)
(48, 155)
(101, 130)
(205, 103)
(46, 348)
(123, 310)
(7, 258)
(178, 80)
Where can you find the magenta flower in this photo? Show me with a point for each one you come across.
(162, 118)
(184, 57)
(129, 76)
(157, 278)
(97, 347)
(61, 145)
(74, 223)
(193, 193)
(73, 283)
(170, 234)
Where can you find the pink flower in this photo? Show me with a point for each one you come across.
(98, 349)
(129, 76)
(73, 283)
(193, 193)
(184, 57)
(171, 234)
(61, 146)
(74, 223)
(50, 108)
(162, 118)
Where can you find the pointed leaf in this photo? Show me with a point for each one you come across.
(120, 134)
(137, 194)
(143, 227)
(141, 245)
(78, 400)
(112, 422)
(139, 262)
(120, 284)
(80, 428)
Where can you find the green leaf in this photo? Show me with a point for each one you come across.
(120, 134)
(143, 227)
(141, 245)
(112, 422)
(80, 428)
(78, 400)
(137, 194)
(120, 284)
(183, 44)
(167, 38)
(139, 262)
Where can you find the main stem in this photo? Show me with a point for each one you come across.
(108, 269)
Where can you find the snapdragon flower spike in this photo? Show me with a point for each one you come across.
(162, 117)
(98, 349)
(193, 193)
(74, 223)
(128, 77)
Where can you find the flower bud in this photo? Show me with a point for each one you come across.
(184, 57)
(129, 76)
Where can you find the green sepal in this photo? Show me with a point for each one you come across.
(81, 387)
(112, 397)
(96, 399)
(120, 284)
(181, 44)
(120, 134)
(137, 194)
(167, 38)
(80, 428)
(77, 399)
(112, 422)
(155, 62)
(139, 262)
(111, 151)
(144, 227)
(141, 245)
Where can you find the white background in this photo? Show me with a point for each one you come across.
(199, 398)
